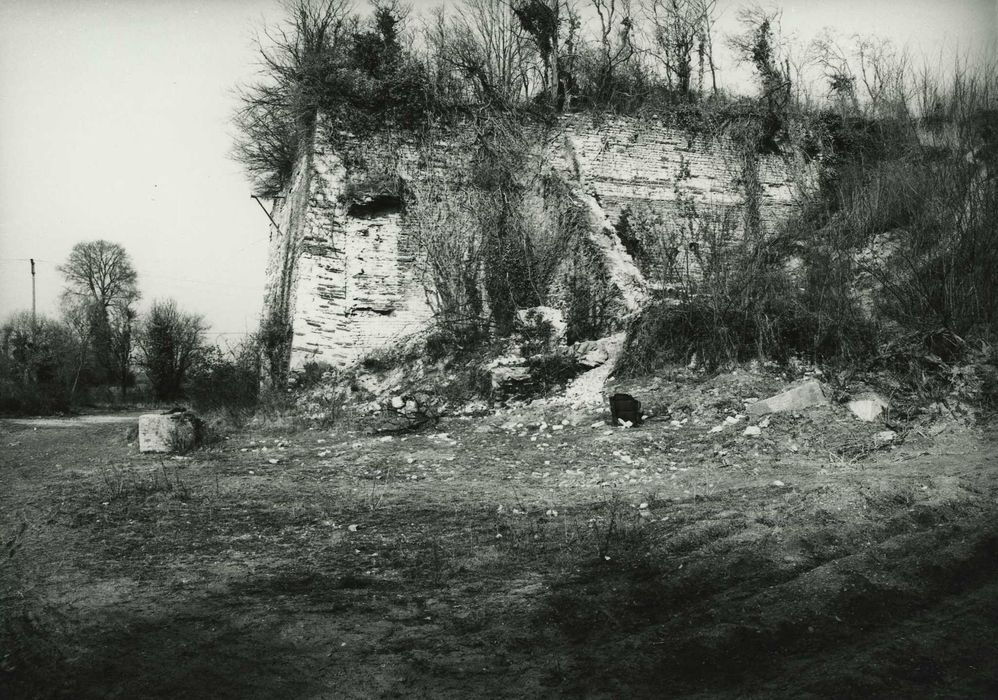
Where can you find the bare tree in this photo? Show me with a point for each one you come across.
(541, 19)
(884, 72)
(297, 61)
(761, 45)
(444, 224)
(828, 53)
(170, 341)
(681, 30)
(100, 271)
(101, 288)
(483, 41)
(615, 43)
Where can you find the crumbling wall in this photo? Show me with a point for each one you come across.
(343, 264)
(628, 161)
(342, 273)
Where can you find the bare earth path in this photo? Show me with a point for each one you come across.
(483, 561)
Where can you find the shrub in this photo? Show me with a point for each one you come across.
(456, 340)
(39, 363)
(537, 334)
(226, 381)
(170, 341)
(312, 374)
(326, 59)
(553, 370)
(587, 313)
(380, 360)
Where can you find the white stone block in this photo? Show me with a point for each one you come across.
(798, 398)
(868, 407)
(165, 432)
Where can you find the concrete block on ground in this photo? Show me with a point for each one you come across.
(167, 432)
(795, 399)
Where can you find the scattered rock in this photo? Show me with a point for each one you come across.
(475, 408)
(752, 431)
(510, 380)
(800, 397)
(404, 413)
(885, 437)
(594, 358)
(867, 407)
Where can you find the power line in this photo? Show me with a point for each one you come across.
(157, 276)
(205, 282)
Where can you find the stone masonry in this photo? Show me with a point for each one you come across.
(346, 277)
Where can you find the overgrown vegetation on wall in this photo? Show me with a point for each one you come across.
(493, 240)
(894, 243)
(385, 69)
(893, 234)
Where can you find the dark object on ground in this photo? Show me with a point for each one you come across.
(945, 344)
(624, 407)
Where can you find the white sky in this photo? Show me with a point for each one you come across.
(115, 124)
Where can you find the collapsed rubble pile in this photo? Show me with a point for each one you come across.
(537, 373)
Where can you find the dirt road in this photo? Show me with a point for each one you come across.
(494, 559)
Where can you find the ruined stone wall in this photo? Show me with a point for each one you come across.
(346, 277)
(347, 274)
(627, 161)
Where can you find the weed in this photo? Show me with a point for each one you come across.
(617, 534)
(375, 496)
(126, 484)
(888, 497)
(190, 433)
(10, 545)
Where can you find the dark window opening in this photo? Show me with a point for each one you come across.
(376, 206)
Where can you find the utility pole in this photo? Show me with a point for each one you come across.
(32, 296)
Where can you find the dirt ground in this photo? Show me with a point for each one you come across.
(506, 556)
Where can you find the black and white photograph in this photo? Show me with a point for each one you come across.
(469, 349)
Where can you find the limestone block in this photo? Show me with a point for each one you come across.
(867, 407)
(510, 375)
(166, 432)
(798, 398)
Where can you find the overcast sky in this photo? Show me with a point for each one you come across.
(115, 124)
